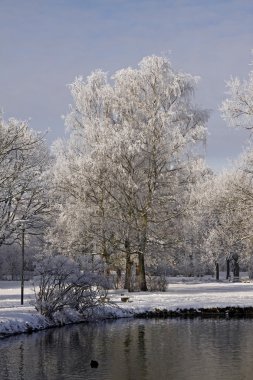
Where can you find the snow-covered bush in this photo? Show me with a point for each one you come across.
(61, 283)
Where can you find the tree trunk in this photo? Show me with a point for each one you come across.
(127, 284)
(142, 274)
(142, 250)
(228, 269)
(128, 276)
(106, 257)
(217, 270)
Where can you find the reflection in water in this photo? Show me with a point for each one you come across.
(133, 350)
(21, 363)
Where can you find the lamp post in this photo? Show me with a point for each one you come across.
(22, 263)
(22, 223)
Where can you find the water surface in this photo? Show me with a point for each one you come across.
(176, 349)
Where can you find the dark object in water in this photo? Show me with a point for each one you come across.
(93, 364)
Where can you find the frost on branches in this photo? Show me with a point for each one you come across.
(123, 176)
(223, 215)
(238, 108)
(23, 160)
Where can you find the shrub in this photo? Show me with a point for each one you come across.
(61, 283)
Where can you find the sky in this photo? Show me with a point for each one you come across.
(45, 44)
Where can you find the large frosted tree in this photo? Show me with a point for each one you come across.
(127, 163)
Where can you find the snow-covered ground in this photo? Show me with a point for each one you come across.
(181, 294)
(190, 295)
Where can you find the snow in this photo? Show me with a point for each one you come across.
(189, 295)
(181, 294)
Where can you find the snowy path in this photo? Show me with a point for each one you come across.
(15, 318)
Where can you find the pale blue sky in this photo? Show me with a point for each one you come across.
(44, 44)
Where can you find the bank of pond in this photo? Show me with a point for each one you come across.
(39, 322)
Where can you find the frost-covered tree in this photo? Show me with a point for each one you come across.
(237, 109)
(224, 213)
(195, 222)
(23, 160)
(127, 161)
(219, 220)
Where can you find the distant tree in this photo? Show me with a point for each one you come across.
(224, 209)
(196, 222)
(237, 110)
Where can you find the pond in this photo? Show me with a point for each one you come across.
(135, 349)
